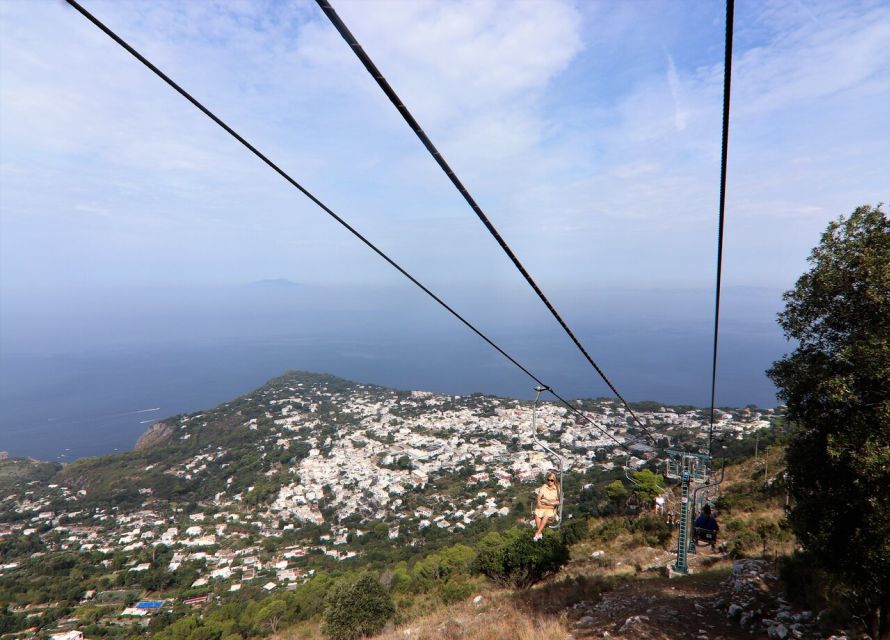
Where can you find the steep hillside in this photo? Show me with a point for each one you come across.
(19, 472)
(617, 586)
(276, 498)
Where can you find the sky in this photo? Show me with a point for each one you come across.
(589, 132)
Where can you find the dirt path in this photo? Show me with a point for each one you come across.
(720, 602)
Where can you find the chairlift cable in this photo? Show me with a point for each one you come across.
(365, 59)
(123, 43)
(727, 85)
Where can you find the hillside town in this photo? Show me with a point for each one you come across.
(334, 466)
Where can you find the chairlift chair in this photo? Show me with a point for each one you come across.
(701, 496)
(555, 458)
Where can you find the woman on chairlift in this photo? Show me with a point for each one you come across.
(547, 501)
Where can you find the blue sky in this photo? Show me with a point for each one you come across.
(589, 132)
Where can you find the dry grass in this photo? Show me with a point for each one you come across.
(498, 619)
(301, 631)
(539, 613)
(557, 595)
(770, 461)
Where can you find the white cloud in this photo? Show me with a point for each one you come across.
(846, 49)
(680, 116)
(589, 132)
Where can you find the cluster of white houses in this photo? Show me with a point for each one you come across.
(391, 444)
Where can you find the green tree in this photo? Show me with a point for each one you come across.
(836, 384)
(358, 609)
(514, 558)
(205, 632)
(648, 485)
(617, 494)
(271, 614)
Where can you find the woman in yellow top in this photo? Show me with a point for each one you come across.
(547, 501)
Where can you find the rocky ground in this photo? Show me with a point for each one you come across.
(706, 605)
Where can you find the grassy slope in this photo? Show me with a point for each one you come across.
(625, 575)
(15, 472)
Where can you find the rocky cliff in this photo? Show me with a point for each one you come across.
(156, 435)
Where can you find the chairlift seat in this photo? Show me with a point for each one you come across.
(708, 536)
(553, 522)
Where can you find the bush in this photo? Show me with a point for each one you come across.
(574, 530)
(513, 558)
(802, 580)
(744, 544)
(608, 529)
(457, 589)
(358, 609)
(654, 531)
(809, 586)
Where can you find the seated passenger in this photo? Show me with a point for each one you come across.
(706, 526)
(547, 501)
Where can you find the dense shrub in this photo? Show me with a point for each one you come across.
(457, 589)
(447, 562)
(514, 558)
(801, 578)
(606, 530)
(743, 544)
(809, 586)
(755, 536)
(357, 609)
(653, 530)
(574, 531)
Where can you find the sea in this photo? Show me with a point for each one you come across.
(89, 397)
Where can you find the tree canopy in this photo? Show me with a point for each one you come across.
(357, 609)
(836, 385)
(648, 485)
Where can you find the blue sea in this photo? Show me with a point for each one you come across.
(60, 403)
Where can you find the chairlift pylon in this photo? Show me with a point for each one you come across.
(694, 471)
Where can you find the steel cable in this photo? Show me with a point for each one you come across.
(125, 45)
(365, 59)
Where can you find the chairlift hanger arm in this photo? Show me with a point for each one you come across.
(558, 458)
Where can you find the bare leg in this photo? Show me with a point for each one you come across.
(541, 521)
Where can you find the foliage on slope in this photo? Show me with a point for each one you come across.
(835, 384)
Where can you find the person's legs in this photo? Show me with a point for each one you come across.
(541, 522)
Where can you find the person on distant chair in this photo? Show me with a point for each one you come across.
(706, 526)
(547, 500)
(659, 505)
(706, 521)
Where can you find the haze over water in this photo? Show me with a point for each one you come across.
(86, 374)
(589, 132)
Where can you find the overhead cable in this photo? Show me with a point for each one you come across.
(727, 86)
(326, 209)
(365, 59)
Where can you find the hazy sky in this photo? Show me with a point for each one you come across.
(589, 132)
